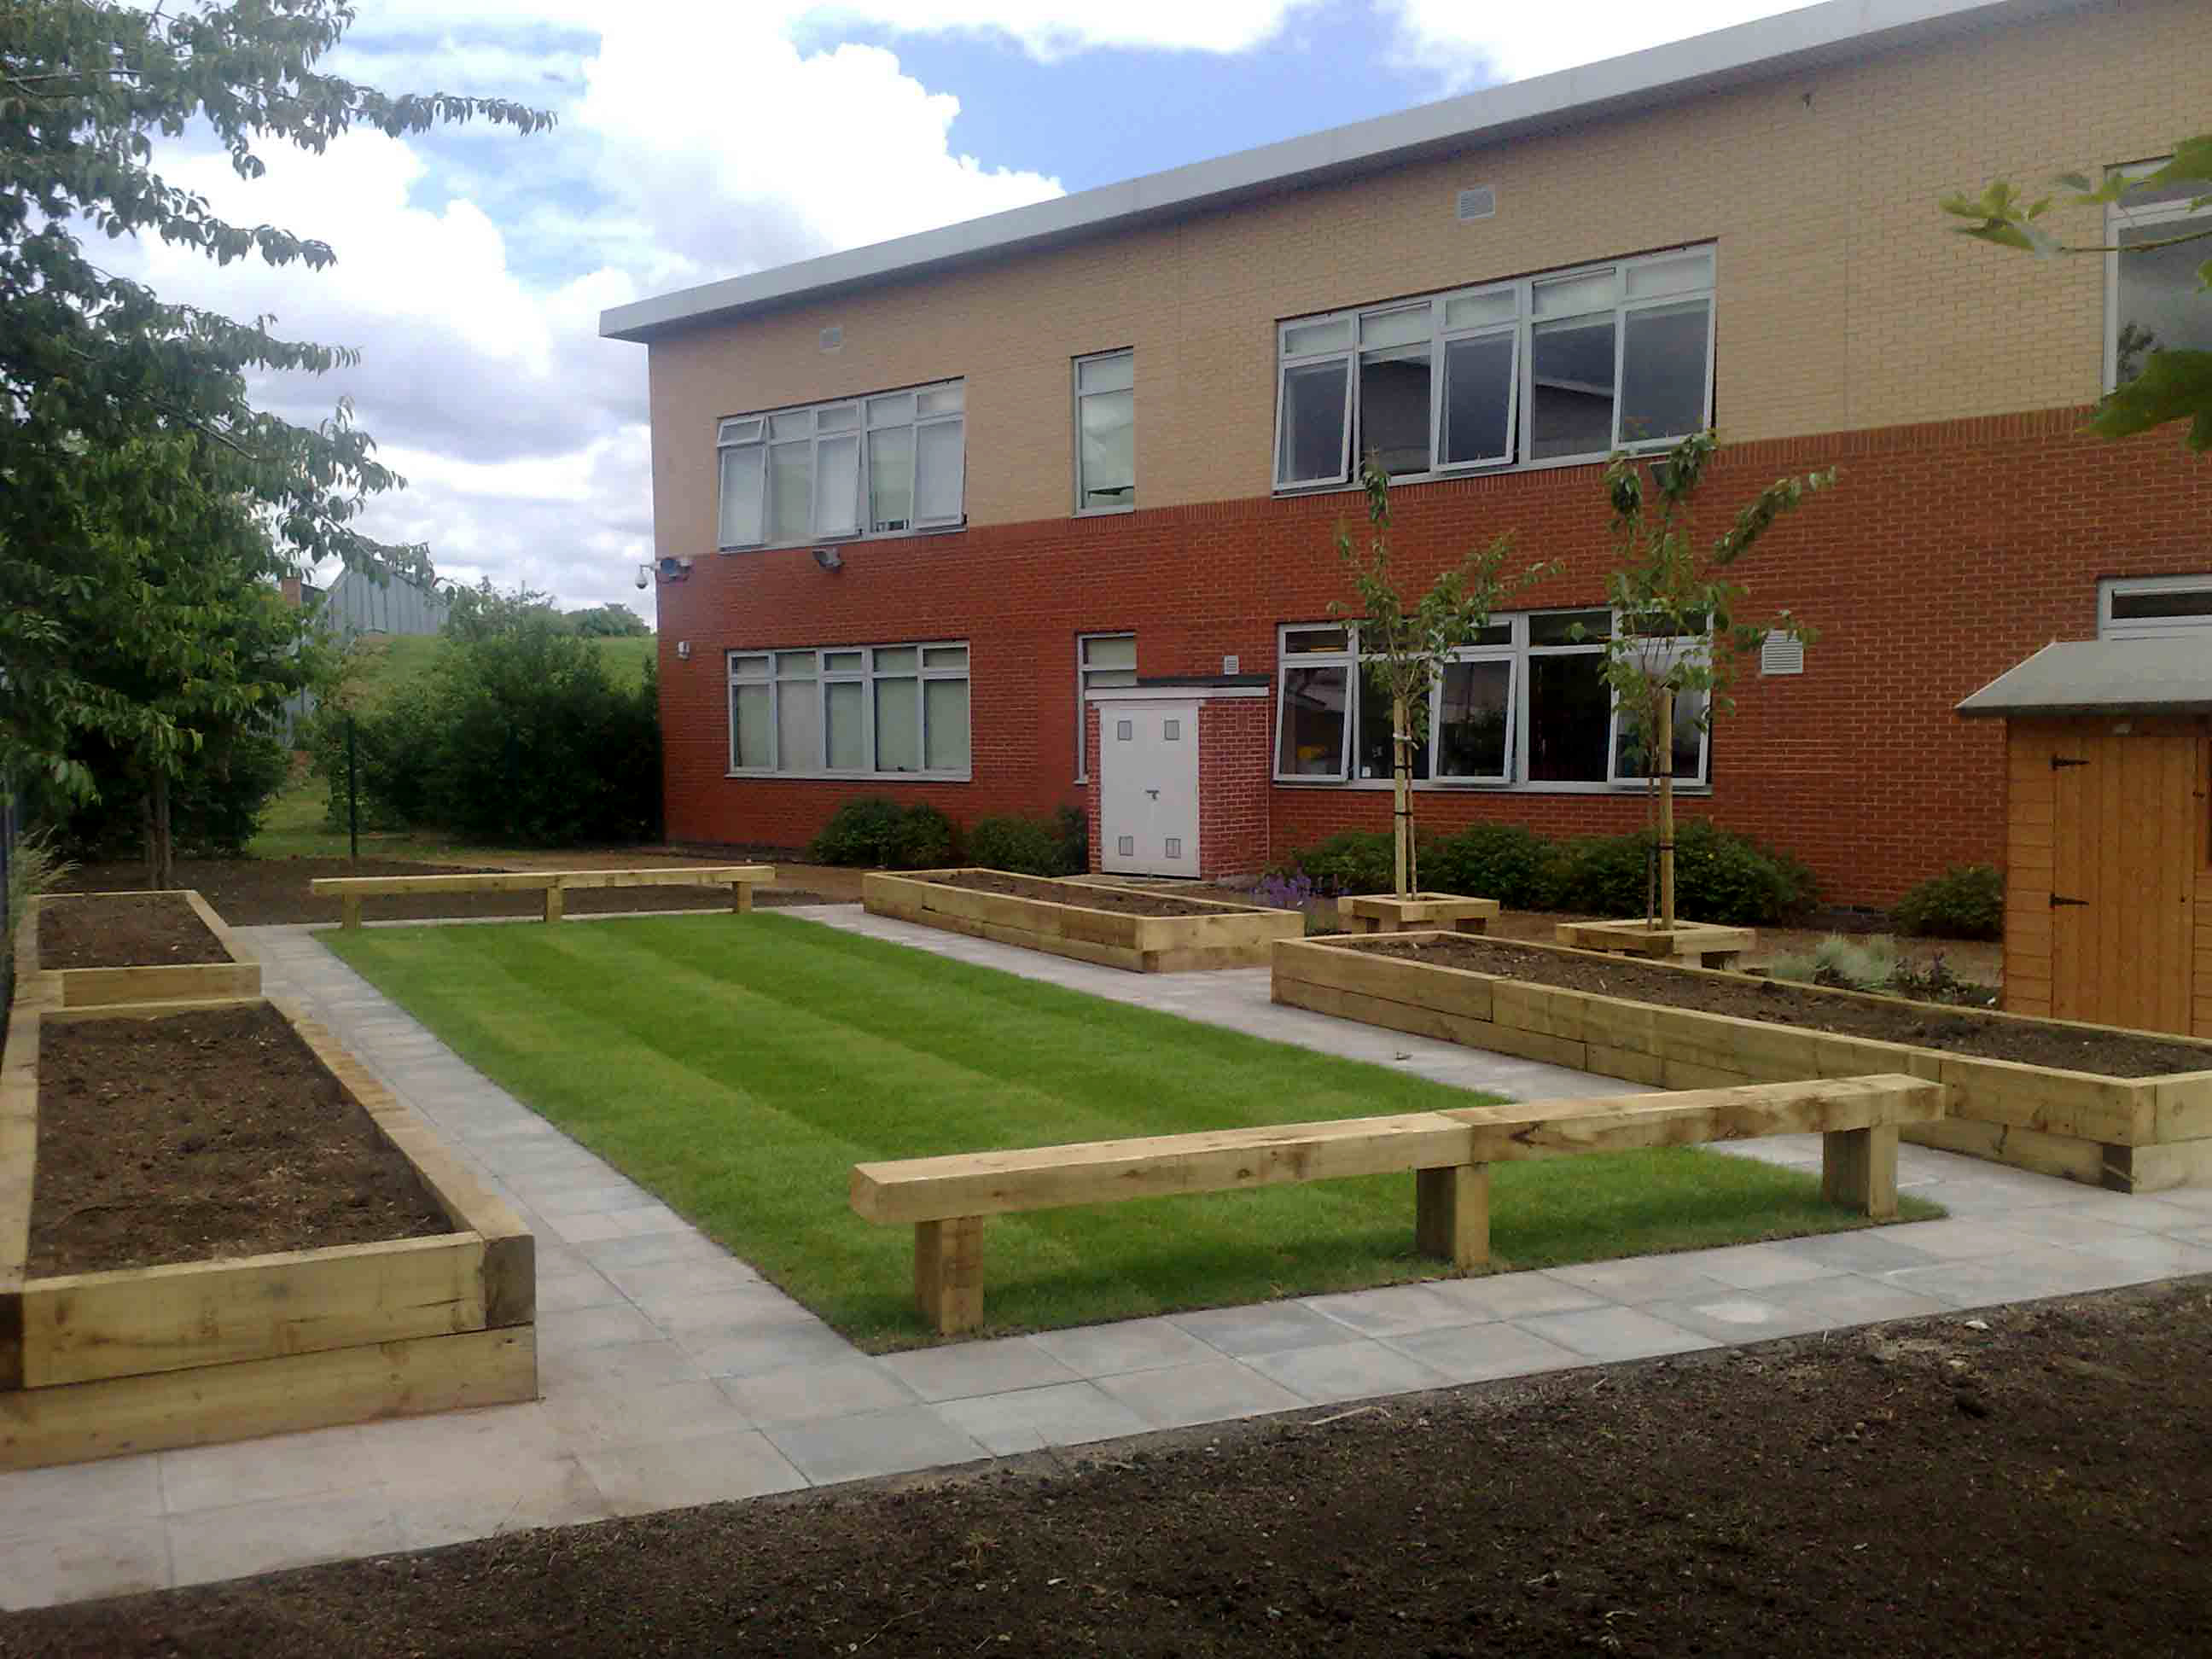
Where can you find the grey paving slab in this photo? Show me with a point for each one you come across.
(516, 1495)
(1132, 1344)
(2027, 1275)
(62, 1563)
(810, 1394)
(116, 1489)
(623, 1364)
(1484, 1353)
(282, 1466)
(557, 1293)
(2158, 1255)
(580, 1420)
(1265, 1328)
(1345, 1370)
(698, 1469)
(1638, 1278)
(878, 1442)
(1752, 1266)
(1873, 1251)
(961, 1369)
(1509, 1296)
(775, 1348)
(1392, 1311)
(596, 1326)
(1183, 1396)
(1029, 1419)
(290, 1532)
(1613, 1334)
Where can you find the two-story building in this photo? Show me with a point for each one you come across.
(921, 505)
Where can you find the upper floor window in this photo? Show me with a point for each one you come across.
(884, 466)
(1564, 367)
(2137, 606)
(2155, 301)
(1525, 703)
(1106, 432)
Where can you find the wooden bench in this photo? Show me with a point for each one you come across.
(1382, 913)
(1708, 943)
(351, 890)
(1450, 1153)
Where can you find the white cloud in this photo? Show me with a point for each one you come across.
(1470, 45)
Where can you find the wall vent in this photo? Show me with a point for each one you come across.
(1780, 654)
(833, 339)
(1479, 203)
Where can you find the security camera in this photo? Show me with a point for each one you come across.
(644, 574)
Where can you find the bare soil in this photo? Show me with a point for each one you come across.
(1124, 900)
(2037, 1486)
(252, 892)
(125, 930)
(1887, 1020)
(201, 1135)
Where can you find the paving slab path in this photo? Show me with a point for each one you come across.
(673, 1375)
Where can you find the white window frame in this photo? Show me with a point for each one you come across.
(1674, 650)
(1083, 670)
(736, 433)
(2110, 627)
(1517, 653)
(2117, 218)
(866, 677)
(1084, 507)
(1521, 393)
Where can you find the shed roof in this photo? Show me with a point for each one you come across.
(1806, 38)
(2168, 675)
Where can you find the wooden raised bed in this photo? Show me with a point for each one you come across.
(95, 1364)
(1213, 934)
(2132, 1134)
(87, 987)
(1384, 913)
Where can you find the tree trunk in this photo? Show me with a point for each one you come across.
(1666, 758)
(160, 852)
(1401, 768)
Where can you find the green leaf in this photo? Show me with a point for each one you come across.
(2174, 386)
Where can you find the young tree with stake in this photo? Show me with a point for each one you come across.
(1404, 649)
(1677, 628)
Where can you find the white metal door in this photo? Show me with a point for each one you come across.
(1148, 788)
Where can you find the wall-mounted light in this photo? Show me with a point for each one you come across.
(829, 559)
(674, 569)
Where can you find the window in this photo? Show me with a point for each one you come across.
(885, 465)
(1100, 659)
(1525, 705)
(2142, 606)
(1552, 369)
(880, 711)
(2154, 299)
(1106, 433)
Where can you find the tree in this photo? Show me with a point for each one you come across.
(1403, 650)
(2157, 384)
(1677, 636)
(109, 395)
(609, 622)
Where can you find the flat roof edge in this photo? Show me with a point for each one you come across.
(1662, 74)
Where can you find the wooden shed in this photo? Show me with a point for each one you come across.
(2108, 841)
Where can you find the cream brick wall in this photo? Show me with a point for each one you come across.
(1843, 299)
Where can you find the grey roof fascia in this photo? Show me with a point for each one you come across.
(2167, 675)
(1659, 75)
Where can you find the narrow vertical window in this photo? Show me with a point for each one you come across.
(1106, 432)
(1101, 660)
(741, 456)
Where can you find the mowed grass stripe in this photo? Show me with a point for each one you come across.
(739, 1066)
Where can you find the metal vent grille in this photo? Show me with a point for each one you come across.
(1478, 202)
(1124, 731)
(1174, 847)
(1171, 730)
(832, 337)
(1780, 655)
(1127, 847)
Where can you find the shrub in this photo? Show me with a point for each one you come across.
(1964, 901)
(1501, 861)
(216, 805)
(1027, 847)
(1351, 861)
(878, 832)
(1074, 840)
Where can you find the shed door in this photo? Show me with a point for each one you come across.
(1148, 788)
(2127, 839)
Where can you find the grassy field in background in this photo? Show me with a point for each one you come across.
(739, 1066)
(381, 665)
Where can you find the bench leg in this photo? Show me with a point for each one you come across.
(741, 897)
(948, 1272)
(552, 904)
(350, 914)
(1451, 1214)
(1858, 1169)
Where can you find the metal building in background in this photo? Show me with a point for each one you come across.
(355, 603)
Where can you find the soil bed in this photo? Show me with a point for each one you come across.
(203, 1135)
(256, 892)
(129, 930)
(1122, 900)
(1780, 1004)
(1773, 1499)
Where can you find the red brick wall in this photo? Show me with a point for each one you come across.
(1948, 552)
(1233, 787)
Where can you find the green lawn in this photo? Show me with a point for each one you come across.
(739, 1067)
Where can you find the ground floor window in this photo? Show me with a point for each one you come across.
(1525, 704)
(851, 711)
(1101, 660)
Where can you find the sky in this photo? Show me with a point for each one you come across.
(700, 139)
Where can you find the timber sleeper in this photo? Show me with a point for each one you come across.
(1450, 1154)
(351, 890)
